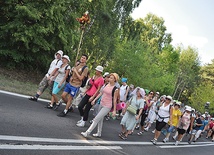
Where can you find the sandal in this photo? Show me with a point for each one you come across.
(140, 133)
(121, 134)
(33, 98)
(124, 137)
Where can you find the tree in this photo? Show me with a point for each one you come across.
(207, 73)
(188, 74)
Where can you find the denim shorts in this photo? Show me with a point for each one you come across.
(170, 129)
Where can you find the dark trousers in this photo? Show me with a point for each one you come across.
(84, 107)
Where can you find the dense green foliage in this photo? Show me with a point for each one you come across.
(32, 31)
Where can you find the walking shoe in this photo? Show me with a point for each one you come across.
(173, 137)
(71, 109)
(153, 131)
(176, 143)
(124, 137)
(62, 114)
(50, 106)
(78, 122)
(33, 98)
(96, 135)
(140, 133)
(85, 134)
(165, 140)
(189, 141)
(81, 124)
(154, 141)
(91, 121)
(146, 129)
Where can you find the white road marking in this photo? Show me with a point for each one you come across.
(20, 95)
(56, 140)
(56, 147)
(185, 146)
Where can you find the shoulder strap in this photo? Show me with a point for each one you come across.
(83, 68)
(66, 67)
(57, 61)
(113, 90)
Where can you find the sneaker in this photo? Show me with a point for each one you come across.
(173, 137)
(50, 106)
(165, 140)
(154, 141)
(140, 133)
(33, 98)
(189, 141)
(176, 143)
(71, 109)
(146, 129)
(81, 124)
(91, 121)
(85, 134)
(96, 135)
(62, 114)
(153, 131)
(56, 107)
(78, 122)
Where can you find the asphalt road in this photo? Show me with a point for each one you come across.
(27, 127)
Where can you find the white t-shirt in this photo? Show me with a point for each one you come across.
(62, 73)
(56, 63)
(164, 112)
(123, 92)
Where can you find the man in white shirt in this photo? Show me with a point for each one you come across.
(47, 81)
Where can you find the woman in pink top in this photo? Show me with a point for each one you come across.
(96, 83)
(109, 99)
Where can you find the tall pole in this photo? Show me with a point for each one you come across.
(80, 42)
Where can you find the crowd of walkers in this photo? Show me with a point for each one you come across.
(135, 107)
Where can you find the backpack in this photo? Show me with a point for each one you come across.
(112, 94)
(129, 94)
(69, 74)
(85, 78)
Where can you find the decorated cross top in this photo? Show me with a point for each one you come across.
(85, 19)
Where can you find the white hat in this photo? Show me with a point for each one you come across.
(105, 74)
(157, 93)
(142, 91)
(169, 97)
(203, 115)
(66, 57)
(59, 52)
(193, 109)
(178, 103)
(99, 68)
(188, 108)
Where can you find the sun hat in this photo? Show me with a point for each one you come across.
(178, 103)
(131, 86)
(157, 93)
(169, 97)
(115, 76)
(66, 57)
(203, 115)
(105, 74)
(142, 91)
(60, 52)
(188, 108)
(124, 80)
(99, 68)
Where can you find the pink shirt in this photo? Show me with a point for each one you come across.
(106, 99)
(95, 84)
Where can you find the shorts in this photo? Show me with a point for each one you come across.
(181, 131)
(56, 89)
(45, 84)
(194, 131)
(71, 89)
(160, 125)
(170, 129)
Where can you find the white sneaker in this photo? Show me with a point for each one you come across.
(85, 134)
(78, 122)
(81, 124)
(96, 135)
(146, 129)
(176, 143)
(165, 140)
(153, 131)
